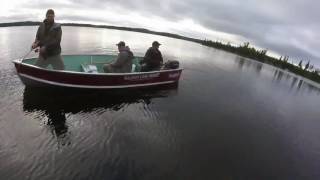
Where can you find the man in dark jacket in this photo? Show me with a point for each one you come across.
(48, 39)
(123, 63)
(152, 60)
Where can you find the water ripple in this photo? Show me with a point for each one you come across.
(160, 133)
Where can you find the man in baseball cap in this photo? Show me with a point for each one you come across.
(123, 63)
(152, 60)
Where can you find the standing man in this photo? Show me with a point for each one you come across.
(48, 39)
(152, 59)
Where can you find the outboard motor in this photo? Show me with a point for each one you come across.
(171, 64)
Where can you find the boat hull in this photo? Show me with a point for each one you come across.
(32, 75)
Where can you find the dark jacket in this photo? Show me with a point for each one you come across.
(123, 63)
(153, 58)
(50, 37)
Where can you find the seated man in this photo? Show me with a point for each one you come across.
(153, 58)
(123, 63)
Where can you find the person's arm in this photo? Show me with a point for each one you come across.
(38, 34)
(161, 58)
(147, 56)
(35, 44)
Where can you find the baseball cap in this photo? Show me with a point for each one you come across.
(156, 43)
(121, 43)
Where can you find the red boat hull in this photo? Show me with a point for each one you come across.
(34, 76)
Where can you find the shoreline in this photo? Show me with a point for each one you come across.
(245, 50)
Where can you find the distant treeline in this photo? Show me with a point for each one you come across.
(307, 70)
(25, 23)
(31, 23)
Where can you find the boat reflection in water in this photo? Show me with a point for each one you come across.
(54, 104)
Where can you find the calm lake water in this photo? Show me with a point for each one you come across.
(229, 118)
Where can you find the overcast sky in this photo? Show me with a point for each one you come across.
(282, 26)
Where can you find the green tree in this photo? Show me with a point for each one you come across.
(246, 45)
(300, 64)
(307, 66)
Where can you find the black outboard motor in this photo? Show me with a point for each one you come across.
(171, 64)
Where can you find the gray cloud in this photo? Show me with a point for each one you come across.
(286, 27)
(19, 17)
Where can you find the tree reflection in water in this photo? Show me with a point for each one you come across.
(56, 103)
(297, 82)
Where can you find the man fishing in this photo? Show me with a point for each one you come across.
(48, 40)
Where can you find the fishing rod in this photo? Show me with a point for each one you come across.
(23, 57)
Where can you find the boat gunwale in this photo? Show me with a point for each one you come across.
(19, 61)
(39, 80)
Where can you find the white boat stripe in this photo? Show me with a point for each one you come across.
(92, 86)
(99, 74)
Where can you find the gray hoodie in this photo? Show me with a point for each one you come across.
(50, 37)
(123, 64)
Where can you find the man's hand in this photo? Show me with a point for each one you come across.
(35, 44)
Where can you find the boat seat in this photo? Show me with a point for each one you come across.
(133, 68)
(89, 68)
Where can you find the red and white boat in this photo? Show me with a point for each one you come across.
(85, 72)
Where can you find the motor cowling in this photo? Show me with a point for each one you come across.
(171, 64)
